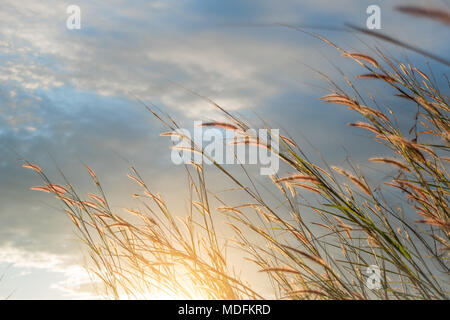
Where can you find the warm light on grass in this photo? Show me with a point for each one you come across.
(324, 255)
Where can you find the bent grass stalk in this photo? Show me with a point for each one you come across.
(314, 239)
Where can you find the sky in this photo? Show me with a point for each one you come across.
(68, 97)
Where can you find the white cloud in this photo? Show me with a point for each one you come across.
(116, 57)
(31, 76)
(75, 276)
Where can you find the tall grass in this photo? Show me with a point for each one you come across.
(327, 225)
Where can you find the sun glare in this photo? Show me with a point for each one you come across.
(160, 295)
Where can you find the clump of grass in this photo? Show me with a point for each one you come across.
(321, 256)
(153, 250)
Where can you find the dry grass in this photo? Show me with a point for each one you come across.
(354, 223)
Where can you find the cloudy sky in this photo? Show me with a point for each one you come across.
(68, 97)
